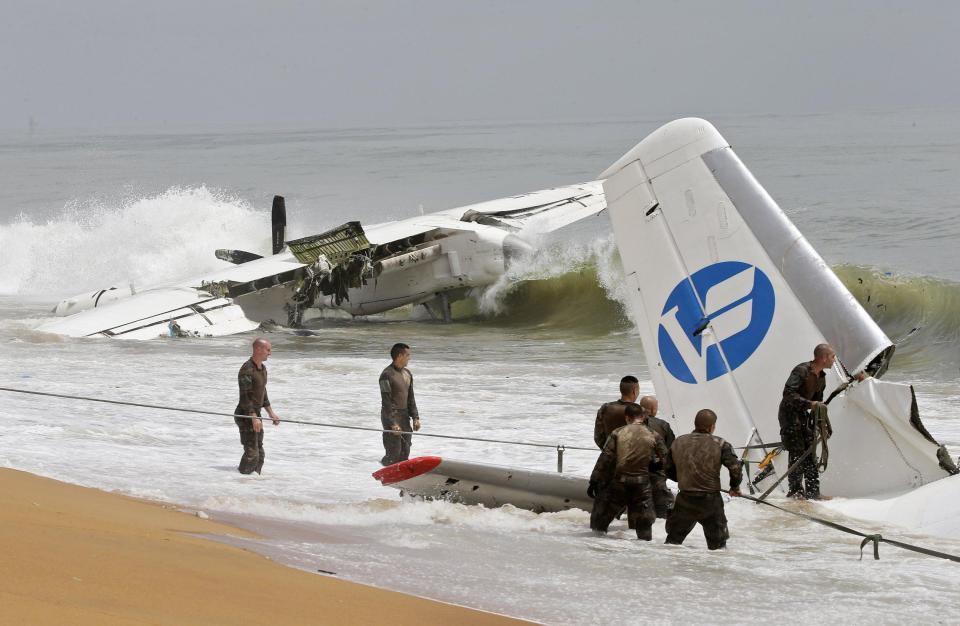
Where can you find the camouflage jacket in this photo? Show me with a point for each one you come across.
(253, 388)
(396, 393)
(662, 428)
(610, 417)
(801, 389)
(629, 451)
(694, 462)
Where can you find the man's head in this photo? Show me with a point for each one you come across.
(650, 405)
(634, 413)
(824, 356)
(400, 353)
(705, 421)
(261, 349)
(629, 388)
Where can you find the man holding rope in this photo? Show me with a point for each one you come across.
(252, 379)
(799, 412)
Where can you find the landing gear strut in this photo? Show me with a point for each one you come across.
(439, 308)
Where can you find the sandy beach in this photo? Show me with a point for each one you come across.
(73, 555)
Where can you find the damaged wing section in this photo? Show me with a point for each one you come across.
(335, 245)
(431, 260)
(542, 211)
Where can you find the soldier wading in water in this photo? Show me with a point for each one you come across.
(252, 380)
(662, 496)
(611, 415)
(621, 476)
(398, 406)
(694, 462)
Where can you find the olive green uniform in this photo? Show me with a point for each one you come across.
(623, 473)
(798, 426)
(610, 416)
(662, 496)
(398, 408)
(253, 397)
(694, 461)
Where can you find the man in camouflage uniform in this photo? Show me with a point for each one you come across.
(621, 476)
(694, 462)
(611, 414)
(662, 496)
(252, 379)
(802, 393)
(398, 406)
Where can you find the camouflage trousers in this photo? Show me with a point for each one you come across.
(805, 478)
(634, 493)
(396, 446)
(692, 508)
(253, 454)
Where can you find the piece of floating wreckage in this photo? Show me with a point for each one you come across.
(430, 260)
(728, 297)
(490, 485)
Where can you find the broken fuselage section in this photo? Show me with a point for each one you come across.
(431, 260)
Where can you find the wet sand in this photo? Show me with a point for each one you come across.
(72, 555)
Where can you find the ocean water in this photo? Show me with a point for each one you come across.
(531, 359)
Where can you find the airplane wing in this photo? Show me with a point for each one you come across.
(728, 296)
(203, 305)
(541, 211)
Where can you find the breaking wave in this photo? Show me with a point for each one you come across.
(573, 287)
(145, 241)
(579, 289)
(921, 314)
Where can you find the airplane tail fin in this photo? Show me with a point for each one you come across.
(728, 297)
(278, 220)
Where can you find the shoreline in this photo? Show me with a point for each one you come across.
(84, 556)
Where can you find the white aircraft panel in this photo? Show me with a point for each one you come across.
(721, 325)
(141, 306)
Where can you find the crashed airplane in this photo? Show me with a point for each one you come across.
(430, 260)
(728, 296)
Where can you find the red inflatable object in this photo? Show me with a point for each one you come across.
(405, 470)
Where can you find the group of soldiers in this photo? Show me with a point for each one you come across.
(639, 451)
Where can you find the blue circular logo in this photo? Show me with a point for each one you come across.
(732, 304)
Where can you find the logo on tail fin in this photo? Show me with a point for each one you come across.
(715, 320)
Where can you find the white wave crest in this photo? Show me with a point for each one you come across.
(145, 241)
(554, 261)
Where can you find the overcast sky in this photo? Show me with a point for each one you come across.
(101, 64)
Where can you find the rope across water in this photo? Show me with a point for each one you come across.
(290, 421)
(876, 539)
